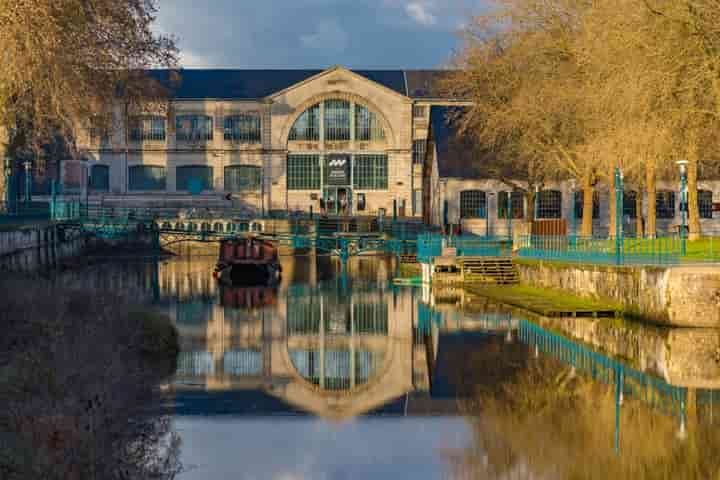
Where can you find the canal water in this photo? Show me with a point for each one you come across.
(336, 373)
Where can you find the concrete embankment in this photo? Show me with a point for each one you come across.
(36, 247)
(682, 296)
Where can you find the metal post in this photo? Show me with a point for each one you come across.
(684, 205)
(537, 202)
(53, 200)
(619, 190)
(509, 215)
(574, 208)
(28, 182)
(394, 210)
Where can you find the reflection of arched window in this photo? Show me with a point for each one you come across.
(550, 204)
(342, 369)
(473, 204)
(99, 179)
(240, 363)
(580, 205)
(239, 178)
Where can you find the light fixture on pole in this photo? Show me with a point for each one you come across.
(682, 165)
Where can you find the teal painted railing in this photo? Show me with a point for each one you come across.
(430, 246)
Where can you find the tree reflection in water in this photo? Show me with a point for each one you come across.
(545, 421)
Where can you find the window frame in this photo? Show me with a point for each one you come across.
(91, 185)
(549, 205)
(256, 178)
(579, 204)
(303, 172)
(242, 128)
(155, 130)
(668, 197)
(517, 200)
(370, 172)
(196, 134)
(161, 180)
(209, 174)
(473, 204)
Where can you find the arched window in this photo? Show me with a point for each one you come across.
(307, 126)
(243, 128)
(193, 128)
(240, 178)
(194, 178)
(473, 204)
(99, 179)
(146, 178)
(337, 120)
(550, 204)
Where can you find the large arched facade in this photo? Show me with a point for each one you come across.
(338, 153)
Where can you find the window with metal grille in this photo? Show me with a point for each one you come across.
(243, 128)
(665, 204)
(629, 204)
(303, 172)
(517, 201)
(419, 149)
(705, 201)
(307, 126)
(193, 128)
(580, 205)
(147, 128)
(549, 204)
(367, 125)
(337, 120)
(473, 204)
(193, 178)
(419, 111)
(99, 179)
(370, 172)
(239, 178)
(146, 177)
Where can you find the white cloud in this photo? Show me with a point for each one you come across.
(420, 12)
(328, 36)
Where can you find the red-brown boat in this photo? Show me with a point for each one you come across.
(247, 261)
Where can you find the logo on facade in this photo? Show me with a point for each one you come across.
(338, 162)
(338, 171)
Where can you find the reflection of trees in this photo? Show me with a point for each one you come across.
(548, 422)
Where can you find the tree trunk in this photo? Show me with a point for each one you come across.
(693, 207)
(587, 217)
(611, 214)
(3, 151)
(651, 187)
(530, 201)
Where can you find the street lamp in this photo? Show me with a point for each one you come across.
(682, 165)
(537, 202)
(573, 216)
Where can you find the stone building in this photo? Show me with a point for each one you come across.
(359, 143)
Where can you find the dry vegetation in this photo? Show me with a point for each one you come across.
(79, 379)
(576, 88)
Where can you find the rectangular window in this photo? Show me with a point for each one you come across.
(419, 111)
(303, 172)
(99, 179)
(337, 120)
(580, 205)
(240, 178)
(665, 204)
(146, 178)
(419, 149)
(473, 204)
(370, 172)
(193, 128)
(550, 204)
(417, 202)
(242, 128)
(147, 129)
(194, 178)
(705, 201)
(630, 204)
(517, 201)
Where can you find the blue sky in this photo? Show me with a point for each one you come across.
(316, 33)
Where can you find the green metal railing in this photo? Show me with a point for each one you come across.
(430, 246)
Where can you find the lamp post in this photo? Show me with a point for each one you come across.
(619, 192)
(573, 216)
(28, 181)
(537, 202)
(487, 213)
(682, 164)
(508, 209)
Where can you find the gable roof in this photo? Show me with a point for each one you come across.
(229, 84)
(458, 156)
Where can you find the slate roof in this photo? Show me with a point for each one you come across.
(425, 83)
(457, 155)
(227, 84)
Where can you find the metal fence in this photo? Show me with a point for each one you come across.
(430, 246)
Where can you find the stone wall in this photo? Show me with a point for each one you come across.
(679, 296)
(36, 248)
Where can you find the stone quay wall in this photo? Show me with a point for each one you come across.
(681, 296)
(32, 248)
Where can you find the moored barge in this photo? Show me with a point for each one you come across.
(248, 261)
